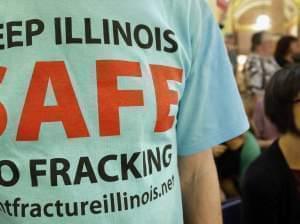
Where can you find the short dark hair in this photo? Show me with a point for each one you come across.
(257, 39)
(281, 91)
(283, 48)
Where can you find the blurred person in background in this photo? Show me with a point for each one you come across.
(260, 65)
(287, 51)
(227, 158)
(230, 42)
(234, 157)
(259, 69)
(263, 128)
(232, 160)
(271, 188)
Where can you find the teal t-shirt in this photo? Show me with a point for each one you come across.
(97, 100)
(250, 152)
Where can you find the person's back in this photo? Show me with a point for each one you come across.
(90, 120)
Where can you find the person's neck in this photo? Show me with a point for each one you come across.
(290, 147)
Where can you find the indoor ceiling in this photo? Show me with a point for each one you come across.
(239, 12)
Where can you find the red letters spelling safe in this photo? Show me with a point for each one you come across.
(110, 99)
(3, 115)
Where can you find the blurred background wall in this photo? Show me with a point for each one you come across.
(242, 18)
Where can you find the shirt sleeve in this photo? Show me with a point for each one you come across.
(210, 110)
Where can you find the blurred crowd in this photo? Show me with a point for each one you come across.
(262, 166)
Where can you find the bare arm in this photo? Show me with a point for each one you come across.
(200, 189)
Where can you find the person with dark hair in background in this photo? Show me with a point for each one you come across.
(271, 188)
(260, 65)
(288, 48)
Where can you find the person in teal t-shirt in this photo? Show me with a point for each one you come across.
(249, 153)
(102, 100)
